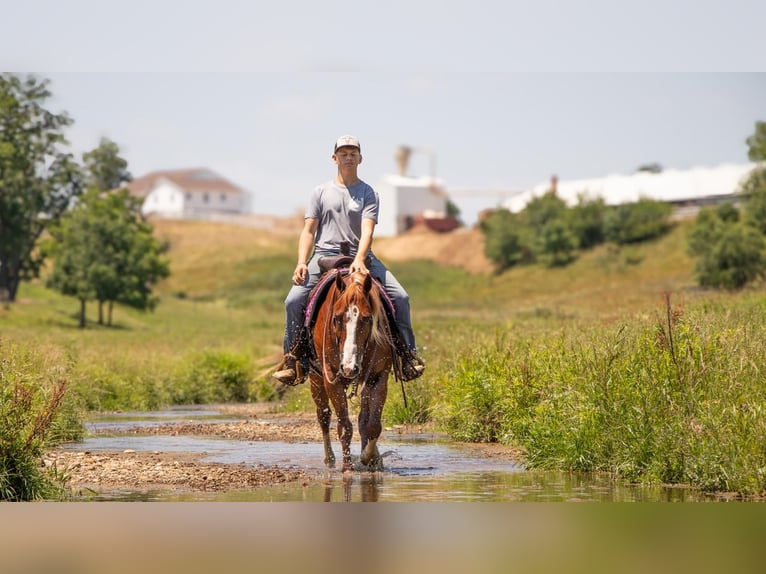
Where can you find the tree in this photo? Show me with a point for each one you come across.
(756, 143)
(104, 250)
(73, 247)
(735, 259)
(556, 244)
(706, 231)
(639, 221)
(106, 169)
(541, 210)
(38, 179)
(453, 210)
(586, 221)
(502, 245)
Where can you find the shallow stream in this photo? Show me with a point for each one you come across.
(418, 467)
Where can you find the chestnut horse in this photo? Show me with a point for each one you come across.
(352, 344)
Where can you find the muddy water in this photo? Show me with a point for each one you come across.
(424, 467)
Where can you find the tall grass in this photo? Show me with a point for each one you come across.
(35, 413)
(572, 363)
(679, 398)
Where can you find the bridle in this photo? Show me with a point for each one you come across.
(331, 377)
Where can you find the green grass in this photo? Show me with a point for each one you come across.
(567, 363)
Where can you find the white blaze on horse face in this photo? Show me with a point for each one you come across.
(348, 358)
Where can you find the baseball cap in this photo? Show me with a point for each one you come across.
(347, 141)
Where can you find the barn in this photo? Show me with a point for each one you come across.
(188, 193)
(686, 189)
(405, 201)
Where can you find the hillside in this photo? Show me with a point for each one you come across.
(205, 255)
(462, 248)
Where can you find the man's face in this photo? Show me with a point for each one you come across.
(347, 157)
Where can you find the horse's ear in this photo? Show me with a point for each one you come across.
(367, 283)
(339, 284)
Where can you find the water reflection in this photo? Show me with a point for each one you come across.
(417, 469)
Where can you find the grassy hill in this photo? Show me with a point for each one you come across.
(587, 367)
(228, 285)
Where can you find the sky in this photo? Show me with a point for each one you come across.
(493, 96)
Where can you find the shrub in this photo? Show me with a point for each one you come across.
(734, 259)
(639, 221)
(502, 244)
(214, 376)
(556, 244)
(34, 415)
(677, 400)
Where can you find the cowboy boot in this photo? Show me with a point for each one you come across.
(412, 365)
(289, 372)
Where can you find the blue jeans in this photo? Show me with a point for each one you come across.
(297, 299)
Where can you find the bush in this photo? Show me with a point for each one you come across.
(754, 193)
(735, 258)
(502, 244)
(639, 221)
(678, 400)
(34, 415)
(556, 244)
(214, 377)
(586, 220)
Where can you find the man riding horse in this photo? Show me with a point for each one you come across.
(342, 212)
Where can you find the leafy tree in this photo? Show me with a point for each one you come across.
(106, 169)
(556, 243)
(728, 212)
(502, 244)
(639, 221)
(753, 191)
(103, 250)
(735, 259)
(38, 180)
(756, 143)
(706, 231)
(586, 221)
(541, 210)
(453, 210)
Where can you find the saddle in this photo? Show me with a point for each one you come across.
(303, 350)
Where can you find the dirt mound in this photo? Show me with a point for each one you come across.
(459, 248)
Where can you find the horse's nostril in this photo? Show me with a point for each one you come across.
(350, 373)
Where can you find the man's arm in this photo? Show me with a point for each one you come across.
(365, 242)
(305, 248)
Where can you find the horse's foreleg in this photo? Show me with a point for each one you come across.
(324, 415)
(345, 428)
(370, 426)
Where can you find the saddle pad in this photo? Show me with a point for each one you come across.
(319, 292)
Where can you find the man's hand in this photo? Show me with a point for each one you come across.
(300, 274)
(357, 265)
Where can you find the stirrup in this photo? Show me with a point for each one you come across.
(412, 366)
(291, 372)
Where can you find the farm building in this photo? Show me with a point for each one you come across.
(188, 193)
(686, 189)
(405, 201)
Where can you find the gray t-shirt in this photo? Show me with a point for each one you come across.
(340, 211)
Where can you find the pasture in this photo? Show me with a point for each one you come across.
(617, 362)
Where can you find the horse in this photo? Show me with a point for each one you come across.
(352, 344)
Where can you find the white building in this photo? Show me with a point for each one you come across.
(188, 193)
(404, 200)
(692, 187)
